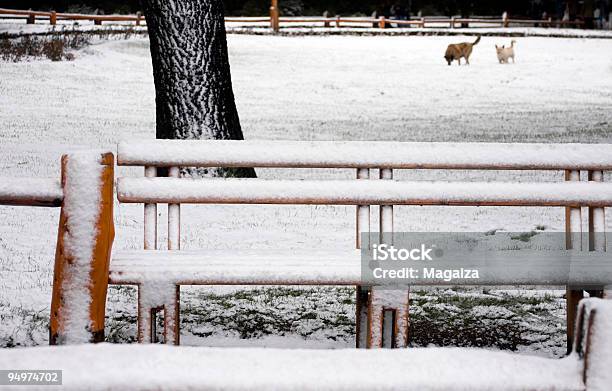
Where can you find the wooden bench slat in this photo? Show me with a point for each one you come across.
(319, 267)
(365, 154)
(256, 191)
(31, 192)
(236, 267)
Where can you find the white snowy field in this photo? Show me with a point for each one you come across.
(302, 88)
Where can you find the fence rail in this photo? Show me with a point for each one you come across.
(275, 21)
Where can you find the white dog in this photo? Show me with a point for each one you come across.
(504, 53)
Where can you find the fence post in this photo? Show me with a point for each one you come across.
(274, 23)
(505, 20)
(452, 23)
(97, 22)
(138, 17)
(84, 242)
(422, 22)
(31, 18)
(381, 22)
(326, 17)
(53, 18)
(337, 20)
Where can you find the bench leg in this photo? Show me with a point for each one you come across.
(388, 322)
(361, 317)
(152, 300)
(145, 318)
(172, 330)
(573, 297)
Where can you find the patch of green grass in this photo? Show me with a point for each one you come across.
(525, 236)
(464, 317)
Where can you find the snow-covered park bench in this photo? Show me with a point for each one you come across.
(84, 268)
(86, 194)
(159, 273)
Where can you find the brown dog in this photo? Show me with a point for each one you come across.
(458, 50)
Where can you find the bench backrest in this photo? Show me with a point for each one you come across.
(364, 156)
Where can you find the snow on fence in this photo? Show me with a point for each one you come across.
(163, 271)
(53, 17)
(85, 236)
(275, 20)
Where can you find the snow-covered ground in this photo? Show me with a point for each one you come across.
(305, 88)
(148, 367)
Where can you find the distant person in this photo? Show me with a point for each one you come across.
(375, 16)
(566, 13)
(587, 13)
(598, 18)
(399, 12)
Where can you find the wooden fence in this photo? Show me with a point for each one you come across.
(275, 21)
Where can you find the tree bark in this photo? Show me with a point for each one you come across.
(193, 87)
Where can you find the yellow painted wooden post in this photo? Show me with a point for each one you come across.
(381, 22)
(274, 14)
(65, 258)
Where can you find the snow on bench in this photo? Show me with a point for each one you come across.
(159, 367)
(237, 267)
(364, 154)
(334, 192)
(160, 273)
(31, 192)
(312, 267)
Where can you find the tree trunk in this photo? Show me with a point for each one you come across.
(193, 86)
